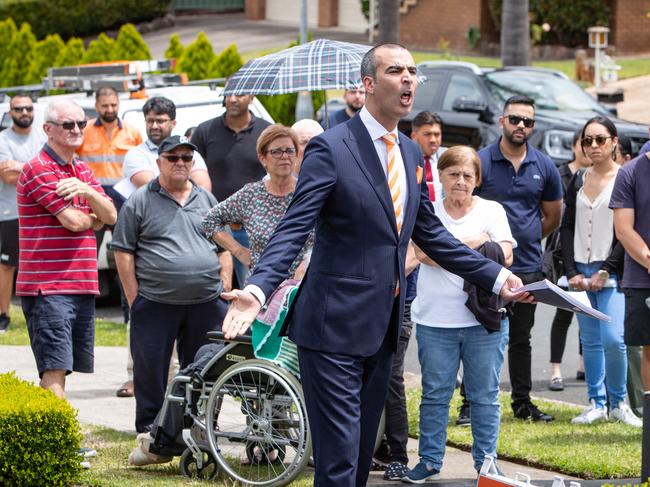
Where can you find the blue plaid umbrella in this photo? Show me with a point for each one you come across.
(322, 64)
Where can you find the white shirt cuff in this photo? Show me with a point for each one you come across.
(501, 280)
(259, 294)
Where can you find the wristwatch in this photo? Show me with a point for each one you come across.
(603, 274)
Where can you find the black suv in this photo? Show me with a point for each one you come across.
(470, 99)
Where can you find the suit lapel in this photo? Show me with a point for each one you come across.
(361, 143)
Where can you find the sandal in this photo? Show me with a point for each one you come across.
(126, 390)
(140, 456)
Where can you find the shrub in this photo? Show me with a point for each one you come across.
(19, 57)
(72, 54)
(283, 107)
(80, 17)
(46, 50)
(39, 436)
(227, 63)
(7, 32)
(175, 48)
(197, 59)
(130, 45)
(101, 49)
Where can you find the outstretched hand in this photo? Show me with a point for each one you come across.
(513, 282)
(241, 313)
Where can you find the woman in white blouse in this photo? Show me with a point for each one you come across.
(447, 331)
(592, 258)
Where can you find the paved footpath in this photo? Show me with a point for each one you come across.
(94, 397)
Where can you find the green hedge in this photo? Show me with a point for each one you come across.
(39, 436)
(71, 18)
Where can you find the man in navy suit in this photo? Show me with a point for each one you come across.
(349, 308)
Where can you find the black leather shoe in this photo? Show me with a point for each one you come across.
(463, 415)
(529, 410)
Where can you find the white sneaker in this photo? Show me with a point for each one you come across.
(624, 414)
(591, 414)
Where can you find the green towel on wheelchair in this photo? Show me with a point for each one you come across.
(267, 344)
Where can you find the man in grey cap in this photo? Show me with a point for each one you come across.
(170, 273)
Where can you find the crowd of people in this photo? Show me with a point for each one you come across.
(369, 219)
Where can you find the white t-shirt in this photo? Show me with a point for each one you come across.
(440, 300)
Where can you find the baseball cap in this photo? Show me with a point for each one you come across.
(173, 141)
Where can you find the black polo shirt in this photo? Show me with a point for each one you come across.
(231, 157)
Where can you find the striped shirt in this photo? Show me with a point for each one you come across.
(53, 260)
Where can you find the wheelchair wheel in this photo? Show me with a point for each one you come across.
(381, 429)
(257, 424)
(190, 469)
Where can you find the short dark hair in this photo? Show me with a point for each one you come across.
(426, 118)
(105, 90)
(160, 105)
(625, 145)
(369, 61)
(22, 94)
(519, 100)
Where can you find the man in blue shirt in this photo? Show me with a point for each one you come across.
(527, 183)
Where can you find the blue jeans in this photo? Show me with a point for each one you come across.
(440, 351)
(241, 270)
(603, 347)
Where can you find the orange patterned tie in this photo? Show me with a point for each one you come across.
(392, 173)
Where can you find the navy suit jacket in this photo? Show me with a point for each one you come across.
(346, 301)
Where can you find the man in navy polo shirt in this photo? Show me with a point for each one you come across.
(527, 183)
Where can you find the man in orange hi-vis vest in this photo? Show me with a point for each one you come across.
(107, 139)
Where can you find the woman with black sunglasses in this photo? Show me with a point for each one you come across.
(591, 257)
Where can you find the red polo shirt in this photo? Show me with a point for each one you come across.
(52, 259)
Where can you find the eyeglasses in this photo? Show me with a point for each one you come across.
(588, 140)
(516, 119)
(21, 109)
(173, 158)
(159, 121)
(70, 125)
(278, 153)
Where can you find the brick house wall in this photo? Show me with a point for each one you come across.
(630, 26)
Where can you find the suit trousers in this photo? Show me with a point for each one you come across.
(519, 349)
(345, 396)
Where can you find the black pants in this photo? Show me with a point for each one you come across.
(155, 328)
(397, 424)
(519, 349)
(559, 330)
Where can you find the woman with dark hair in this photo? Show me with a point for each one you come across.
(591, 260)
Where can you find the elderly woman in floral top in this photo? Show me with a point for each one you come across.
(259, 206)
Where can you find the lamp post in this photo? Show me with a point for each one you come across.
(597, 40)
(304, 104)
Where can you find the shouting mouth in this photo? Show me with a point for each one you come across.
(406, 97)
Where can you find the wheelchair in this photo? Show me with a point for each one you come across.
(239, 414)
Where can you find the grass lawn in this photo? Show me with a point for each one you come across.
(109, 467)
(107, 333)
(601, 451)
(630, 66)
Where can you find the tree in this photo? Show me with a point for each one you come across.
(19, 58)
(72, 54)
(101, 49)
(175, 48)
(130, 45)
(515, 33)
(388, 21)
(46, 52)
(8, 30)
(227, 63)
(198, 58)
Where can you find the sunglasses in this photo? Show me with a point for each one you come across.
(516, 119)
(21, 109)
(70, 125)
(278, 153)
(588, 140)
(184, 157)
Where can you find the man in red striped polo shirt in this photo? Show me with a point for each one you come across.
(59, 205)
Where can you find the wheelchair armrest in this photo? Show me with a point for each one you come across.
(218, 336)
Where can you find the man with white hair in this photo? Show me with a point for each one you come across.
(305, 129)
(60, 203)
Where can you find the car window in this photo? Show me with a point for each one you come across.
(549, 92)
(461, 86)
(428, 91)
